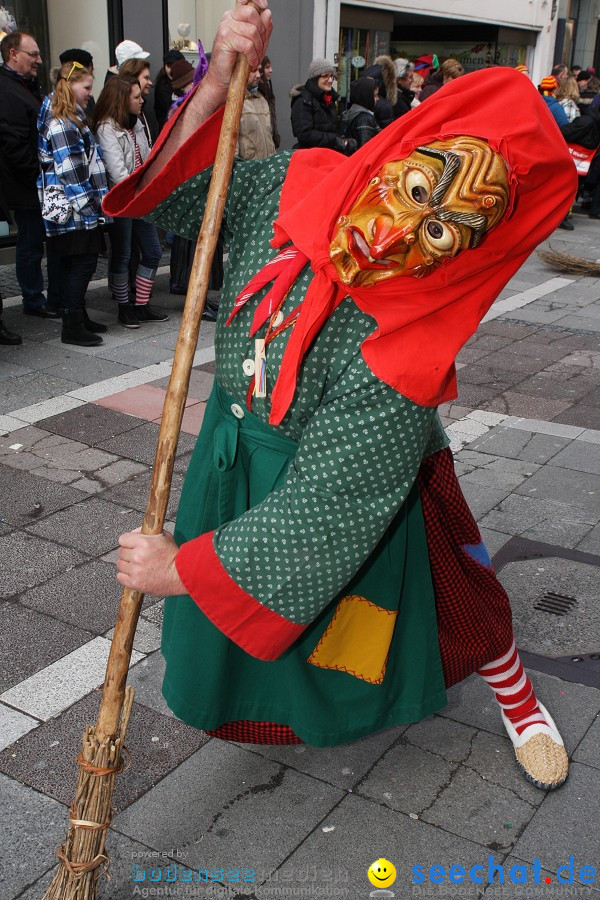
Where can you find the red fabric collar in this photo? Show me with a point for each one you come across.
(421, 322)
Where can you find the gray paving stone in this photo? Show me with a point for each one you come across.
(517, 515)
(26, 560)
(90, 423)
(363, 832)
(93, 525)
(26, 498)
(587, 751)
(341, 766)
(554, 483)
(514, 443)
(569, 817)
(134, 493)
(388, 784)
(567, 532)
(45, 758)
(34, 354)
(483, 492)
(25, 390)
(13, 725)
(591, 542)
(206, 805)
(540, 632)
(88, 369)
(140, 443)
(146, 679)
(580, 456)
(42, 821)
(582, 415)
(141, 353)
(477, 809)
(13, 369)
(201, 384)
(46, 641)
(493, 540)
(513, 403)
(572, 706)
(87, 596)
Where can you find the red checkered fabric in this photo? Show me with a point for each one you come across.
(473, 610)
(248, 732)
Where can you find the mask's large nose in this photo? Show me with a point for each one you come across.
(388, 237)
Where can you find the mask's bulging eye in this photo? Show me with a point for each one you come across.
(417, 186)
(440, 236)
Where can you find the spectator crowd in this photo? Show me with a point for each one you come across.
(60, 154)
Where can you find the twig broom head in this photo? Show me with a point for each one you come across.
(82, 857)
(570, 265)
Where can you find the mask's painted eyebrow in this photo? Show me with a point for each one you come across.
(451, 163)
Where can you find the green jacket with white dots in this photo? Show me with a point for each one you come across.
(302, 546)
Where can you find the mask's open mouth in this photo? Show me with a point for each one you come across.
(361, 252)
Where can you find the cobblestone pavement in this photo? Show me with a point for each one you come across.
(78, 431)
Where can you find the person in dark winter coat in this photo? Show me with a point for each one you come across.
(7, 337)
(585, 131)
(20, 103)
(359, 120)
(384, 74)
(404, 75)
(163, 89)
(265, 87)
(314, 111)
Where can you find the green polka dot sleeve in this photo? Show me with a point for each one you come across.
(357, 460)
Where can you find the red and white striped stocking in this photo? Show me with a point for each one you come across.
(514, 692)
(143, 286)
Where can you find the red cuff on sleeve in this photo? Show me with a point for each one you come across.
(257, 630)
(195, 155)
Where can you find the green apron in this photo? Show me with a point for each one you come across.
(209, 680)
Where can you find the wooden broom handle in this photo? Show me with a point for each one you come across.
(131, 601)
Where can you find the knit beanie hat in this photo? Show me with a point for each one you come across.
(320, 67)
(522, 68)
(548, 84)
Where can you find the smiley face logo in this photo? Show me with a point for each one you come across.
(381, 873)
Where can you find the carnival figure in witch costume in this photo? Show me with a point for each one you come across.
(327, 579)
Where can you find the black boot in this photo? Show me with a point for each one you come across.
(75, 332)
(94, 327)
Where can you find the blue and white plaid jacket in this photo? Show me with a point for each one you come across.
(67, 158)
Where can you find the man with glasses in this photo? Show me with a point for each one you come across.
(20, 102)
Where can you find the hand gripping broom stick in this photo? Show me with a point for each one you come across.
(83, 855)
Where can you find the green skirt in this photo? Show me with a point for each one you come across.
(210, 681)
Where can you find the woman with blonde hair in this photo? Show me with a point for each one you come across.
(567, 94)
(71, 185)
(125, 146)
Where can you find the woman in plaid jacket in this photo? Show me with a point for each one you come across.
(71, 184)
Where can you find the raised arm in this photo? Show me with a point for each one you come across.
(242, 30)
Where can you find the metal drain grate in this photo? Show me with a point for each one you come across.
(557, 604)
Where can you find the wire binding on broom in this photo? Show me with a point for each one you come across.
(571, 265)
